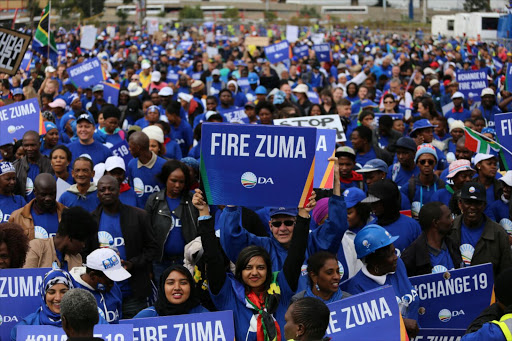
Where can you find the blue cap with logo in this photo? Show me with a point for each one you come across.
(86, 117)
(374, 165)
(353, 196)
(290, 211)
(6, 167)
(371, 238)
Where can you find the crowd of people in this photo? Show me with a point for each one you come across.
(409, 198)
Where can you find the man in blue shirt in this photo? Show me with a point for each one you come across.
(97, 152)
(180, 128)
(458, 112)
(488, 106)
(83, 193)
(401, 171)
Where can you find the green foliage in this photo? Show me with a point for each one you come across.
(270, 16)
(231, 13)
(477, 6)
(190, 12)
(122, 17)
(309, 12)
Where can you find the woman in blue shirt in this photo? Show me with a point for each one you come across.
(60, 158)
(176, 295)
(374, 245)
(55, 284)
(50, 139)
(257, 296)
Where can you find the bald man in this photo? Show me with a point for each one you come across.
(30, 166)
(144, 167)
(41, 216)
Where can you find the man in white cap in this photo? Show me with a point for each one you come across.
(145, 74)
(115, 166)
(156, 82)
(488, 106)
(458, 111)
(100, 275)
(435, 92)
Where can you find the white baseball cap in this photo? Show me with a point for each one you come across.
(155, 76)
(107, 261)
(166, 91)
(113, 162)
(481, 157)
(507, 178)
(301, 88)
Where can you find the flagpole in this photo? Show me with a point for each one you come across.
(49, 24)
(491, 140)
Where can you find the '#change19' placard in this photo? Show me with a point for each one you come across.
(19, 296)
(257, 165)
(88, 73)
(453, 299)
(18, 118)
(371, 316)
(108, 332)
(216, 326)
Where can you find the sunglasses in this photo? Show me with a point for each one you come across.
(285, 222)
(430, 162)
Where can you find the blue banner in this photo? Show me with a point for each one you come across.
(110, 92)
(19, 296)
(453, 299)
(172, 77)
(88, 73)
(503, 127)
(243, 84)
(497, 63)
(369, 316)
(325, 147)
(121, 149)
(278, 52)
(428, 334)
(198, 327)
(185, 45)
(508, 77)
(313, 97)
(18, 118)
(25, 63)
(113, 332)
(235, 116)
(197, 75)
(323, 52)
(472, 82)
(301, 51)
(250, 165)
(62, 48)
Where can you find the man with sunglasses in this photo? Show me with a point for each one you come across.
(234, 237)
(421, 187)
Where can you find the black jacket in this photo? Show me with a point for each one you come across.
(22, 166)
(161, 218)
(491, 313)
(417, 259)
(140, 245)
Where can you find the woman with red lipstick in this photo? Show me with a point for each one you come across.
(176, 295)
(257, 296)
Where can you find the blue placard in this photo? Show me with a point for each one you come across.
(301, 51)
(278, 52)
(472, 82)
(251, 165)
(497, 63)
(428, 334)
(185, 45)
(323, 52)
(62, 48)
(110, 93)
(508, 77)
(243, 84)
(18, 118)
(313, 97)
(369, 316)
(19, 296)
(25, 62)
(112, 332)
(456, 301)
(121, 149)
(503, 126)
(235, 116)
(325, 146)
(172, 77)
(393, 116)
(197, 75)
(86, 74)
(199, 327)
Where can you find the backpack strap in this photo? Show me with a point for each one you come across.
(411, 189)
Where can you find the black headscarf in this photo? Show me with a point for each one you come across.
(163, 306)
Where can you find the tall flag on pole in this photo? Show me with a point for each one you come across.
(479, 143)
(43, 37)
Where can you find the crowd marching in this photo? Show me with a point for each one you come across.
(411, 195)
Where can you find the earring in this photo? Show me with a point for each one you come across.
(317, 287)
(376, 270)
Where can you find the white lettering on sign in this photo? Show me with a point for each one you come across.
(17, 111)
(200, 331)
(448, 287)
(322, 144)
(471, 76)
(84, 67)
(10, 48)
(506, 127)
(20, 286)
(150, 333)
(436, 338)
(360, 314)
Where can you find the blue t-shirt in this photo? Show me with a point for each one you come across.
(361, 160)
(184, 135)
(89, 202)
(110, 234)
(442, 258)
(97, 152)
(442, 195)
(128, 197)
(407, 228)
(33, 171)
(175, 243)
(45, 225)
(471, 235)
(9, 204)
(499, 210)
(173, 150)
(143, 180)
(112, 140)
(400, 175)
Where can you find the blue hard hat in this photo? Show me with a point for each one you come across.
(253, 78)
(371, 238)
(260, 90)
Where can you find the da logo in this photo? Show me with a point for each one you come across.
(249, 180)
(12, 129)
(471, 189)
(366, 243)
(8, 319)
(29, 187)
(445, 315)
(138, 186)
(304, 270)
(105, 239)
(86, 155)
(1, 216)
(40, 232)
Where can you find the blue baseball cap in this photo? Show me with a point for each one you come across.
(6, 167)
(86, 117)
(48, 125)
(17, 91)
(290, 211)
(421, 124)
(353, 196)
(374, 165)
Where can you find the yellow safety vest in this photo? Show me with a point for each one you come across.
(505, 324)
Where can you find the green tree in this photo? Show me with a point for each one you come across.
(270, 16)
(477, 6)
(231, 13)
(189, 12)
(122, 17)
(309, 12)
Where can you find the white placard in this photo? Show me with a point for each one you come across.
(322, 122)
(152, 26)
(292, 33)
(88, 37)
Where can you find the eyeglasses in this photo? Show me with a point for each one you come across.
(388, 102)
(278, 223)
(430, 162)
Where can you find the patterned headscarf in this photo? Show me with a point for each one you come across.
(56, 276)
